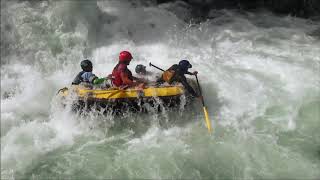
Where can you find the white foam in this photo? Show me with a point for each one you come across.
(257, 66)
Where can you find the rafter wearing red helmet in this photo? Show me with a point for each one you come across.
(121, 75)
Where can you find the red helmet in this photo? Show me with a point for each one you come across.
(125, 56)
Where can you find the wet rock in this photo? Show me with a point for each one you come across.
(301, 8)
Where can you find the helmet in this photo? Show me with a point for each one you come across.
(125, 56)
(86, 65)
(141, 69)
(185, 64)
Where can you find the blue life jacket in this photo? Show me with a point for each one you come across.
(83, 76)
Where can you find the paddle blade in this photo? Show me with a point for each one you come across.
(208, 122)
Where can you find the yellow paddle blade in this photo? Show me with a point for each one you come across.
(206, 115)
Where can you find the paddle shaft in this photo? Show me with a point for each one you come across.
(155, 66)
(200, 91)
(206, 115)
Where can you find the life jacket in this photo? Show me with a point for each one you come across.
(168, 75)
(116, 74)
(88, 77)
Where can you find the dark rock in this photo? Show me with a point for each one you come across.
(301, 8)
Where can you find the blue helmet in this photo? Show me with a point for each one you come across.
(185, 64)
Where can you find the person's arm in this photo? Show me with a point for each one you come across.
(184, 82)
(141, 80)
(125, 79)
(92, 78)
(135, 78)
(98, 80)
(77, 80)
(192, 73)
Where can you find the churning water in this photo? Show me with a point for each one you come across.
(260, 75)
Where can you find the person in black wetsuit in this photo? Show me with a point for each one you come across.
(176, 73)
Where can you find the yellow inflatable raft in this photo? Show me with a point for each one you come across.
(116, 93)
(117, 100)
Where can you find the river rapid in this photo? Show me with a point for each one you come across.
(260, 75)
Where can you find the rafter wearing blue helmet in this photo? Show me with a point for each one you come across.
(176, 73)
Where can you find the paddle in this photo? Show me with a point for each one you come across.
(155, 66)
(206, 115)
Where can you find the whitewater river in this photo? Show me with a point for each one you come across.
(260, 75)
